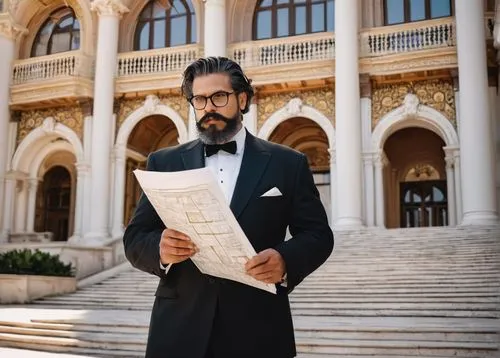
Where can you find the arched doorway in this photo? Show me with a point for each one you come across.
(150, 134)
(415, 179)
(54, 203)
(308, 137)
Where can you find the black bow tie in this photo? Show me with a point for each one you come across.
(211, 149)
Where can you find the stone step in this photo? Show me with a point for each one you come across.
(383, 348)
(394, 312)
(96, 334)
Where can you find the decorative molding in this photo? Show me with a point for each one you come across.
(177, 102)
(437, 94)
(322, 100)
(109, 7)
(9, 28)
(410, 105)
(71, 117)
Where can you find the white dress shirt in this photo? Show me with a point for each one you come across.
(226, 166)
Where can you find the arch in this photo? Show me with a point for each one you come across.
(45, 152)
(240, 20)
(151, 106)
(295, 108)
(32, 17)
(39, 138)
(422, 117)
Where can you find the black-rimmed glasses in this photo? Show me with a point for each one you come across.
(218, 99)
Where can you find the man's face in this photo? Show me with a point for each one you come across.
(218, 123)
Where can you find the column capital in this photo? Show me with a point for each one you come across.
(109, 7)
(365, 86)
(333, 155)
(82, 168)
(380, 159)
(9, 28)
(369, 157)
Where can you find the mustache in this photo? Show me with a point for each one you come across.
(215, 115)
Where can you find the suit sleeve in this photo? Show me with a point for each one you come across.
(312, 239)
(142, 236)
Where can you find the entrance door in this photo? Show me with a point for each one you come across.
(56, 203)
(424, 203)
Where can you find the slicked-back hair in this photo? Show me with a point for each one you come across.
(204, 66)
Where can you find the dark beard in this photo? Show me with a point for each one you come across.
(211, 135)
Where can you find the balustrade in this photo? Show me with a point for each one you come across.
(173, 59)
(409, 37)
(284, 50)
(36, 69)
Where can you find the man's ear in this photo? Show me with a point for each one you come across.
(242, 100)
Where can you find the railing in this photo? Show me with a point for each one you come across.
(409, 37)
(172, 59)
(60, 65)
(284, 50)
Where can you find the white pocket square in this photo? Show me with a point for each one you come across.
(272, 192)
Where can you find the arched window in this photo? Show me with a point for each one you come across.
(160, 26)
(60, 33)
(279, 18)
(401, 11)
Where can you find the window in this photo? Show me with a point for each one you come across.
(401, 11)
(159, 26)
(280, 18)
(60, 33)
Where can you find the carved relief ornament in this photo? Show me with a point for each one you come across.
(109, 7)
(437, 94)
(9, 29)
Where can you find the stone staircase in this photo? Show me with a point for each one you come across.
(431, 292)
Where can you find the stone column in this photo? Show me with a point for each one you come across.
(458, 187)
(347, 115)
(366, 130)
(333, 186)
(119, 188)
(82, 171)
(9, 32)
(21, 205)
(450, 185)
(476, 141)
(215, 29)
(8, 207)
(251, 118)
(32, 190)
(192, 131)
(109, 13)
(369, 190)
(379, 162)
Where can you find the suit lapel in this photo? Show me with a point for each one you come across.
(254, 162)
(193, 157)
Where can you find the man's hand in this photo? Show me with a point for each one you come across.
(268, 266)
(175, 247)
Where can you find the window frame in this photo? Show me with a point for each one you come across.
(188, 14)
(292, 24)
(56, 18)
(407, 14)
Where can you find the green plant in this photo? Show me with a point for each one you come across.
(27, 262)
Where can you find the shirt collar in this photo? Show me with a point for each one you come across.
(240, 138)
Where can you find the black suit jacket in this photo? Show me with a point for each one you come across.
(193, 310)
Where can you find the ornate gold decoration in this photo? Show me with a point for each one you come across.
(438, 94)
(321, 99)
(71, 117)
(177, 102)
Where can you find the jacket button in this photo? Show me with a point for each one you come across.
(211, 280)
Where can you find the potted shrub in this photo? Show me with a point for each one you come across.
(26, 275)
